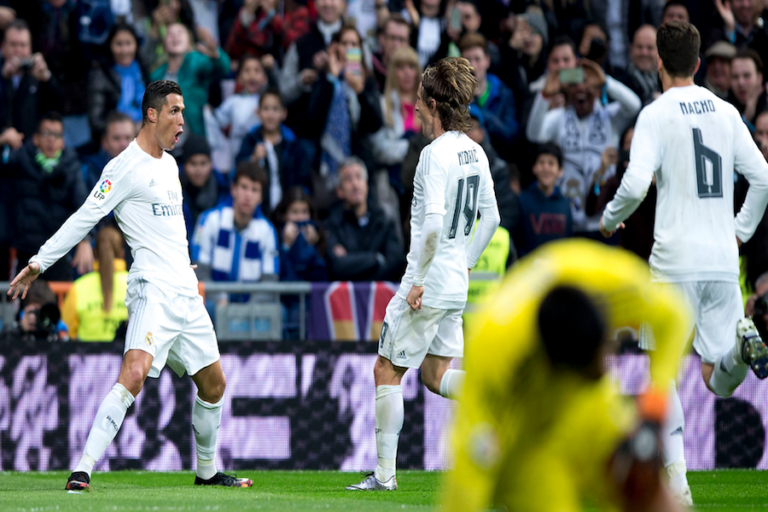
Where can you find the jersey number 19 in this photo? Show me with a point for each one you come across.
(470, 205)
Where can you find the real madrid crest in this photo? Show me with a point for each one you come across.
(148, 339)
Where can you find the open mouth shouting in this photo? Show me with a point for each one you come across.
(177, 136)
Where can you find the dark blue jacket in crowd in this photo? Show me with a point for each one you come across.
(302, 262)
(295, 167)
(542, 219)
(92, 166)
(500, 115)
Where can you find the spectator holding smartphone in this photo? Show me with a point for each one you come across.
(583, 129)
(344, 109)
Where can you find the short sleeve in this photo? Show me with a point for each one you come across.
(434, 178)
(115, 186)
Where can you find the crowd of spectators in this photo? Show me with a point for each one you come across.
(302, 139)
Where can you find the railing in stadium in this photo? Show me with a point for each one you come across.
(347, 311)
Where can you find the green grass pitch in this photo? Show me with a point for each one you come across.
(142, 491)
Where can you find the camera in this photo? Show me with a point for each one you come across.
(26, 64)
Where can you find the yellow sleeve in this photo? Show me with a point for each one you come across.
(69, 312)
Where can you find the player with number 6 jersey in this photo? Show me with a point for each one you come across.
(423, 326)
(692, 142)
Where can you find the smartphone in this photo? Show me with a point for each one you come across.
(455, 21)
(354, 61)
(571, 76)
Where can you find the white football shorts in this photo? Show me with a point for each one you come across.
(717, 307)
(175, 329)
(407, 336)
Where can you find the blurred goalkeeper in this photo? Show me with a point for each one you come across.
(540, 425)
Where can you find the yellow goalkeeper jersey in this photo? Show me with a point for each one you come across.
(532, 438)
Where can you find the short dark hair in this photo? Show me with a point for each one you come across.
(17, 24)
(678, 44)
(550, 148)
(54, 117)
(673, 3)
(245, 58)
(271, 91)
(470, 41)
(749, 53)
(398, 19)
(564, 40)
(253, 171)
(155, 96)
(572, 327)
(115, 117)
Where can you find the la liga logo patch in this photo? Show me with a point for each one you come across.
(105, 186)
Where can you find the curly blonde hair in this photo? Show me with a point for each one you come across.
(451, 83)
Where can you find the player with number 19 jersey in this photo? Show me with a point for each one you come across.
(452, 179)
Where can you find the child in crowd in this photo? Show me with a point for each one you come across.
(545, 212)
(302, 246)
(239, 112)
(302, 242)
(274, 147)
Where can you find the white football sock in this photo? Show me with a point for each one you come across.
(678, 480)
(206, 420)
(730, 371)
(106, 424)
(389, 422)
(672, 431)
(451, 383)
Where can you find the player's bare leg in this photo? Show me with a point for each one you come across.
(389, 422)
(206, 419)
(730, 370)
(437, 375)
(109, 417)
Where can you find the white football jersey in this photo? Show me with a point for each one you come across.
(145, 194)
(693, 141)
(452, 179)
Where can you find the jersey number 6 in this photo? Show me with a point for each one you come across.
(470, 206)
(709, 182)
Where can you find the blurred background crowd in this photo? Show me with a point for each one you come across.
(301, 137)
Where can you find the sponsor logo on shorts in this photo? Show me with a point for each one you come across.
(152, 183)
(148, 339)
(401, 354)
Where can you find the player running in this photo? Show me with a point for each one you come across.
(168, 321)
(692, 142)
(422, 326)
(540, 426)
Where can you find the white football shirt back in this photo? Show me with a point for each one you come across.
(145, 194)
(452, 179)
(693, 141)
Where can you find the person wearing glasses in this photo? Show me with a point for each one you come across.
(48, 187)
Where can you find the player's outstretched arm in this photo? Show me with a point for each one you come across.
(72, 232)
